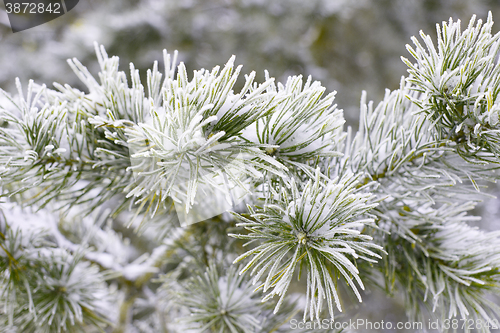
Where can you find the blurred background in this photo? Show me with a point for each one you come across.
(349, 46)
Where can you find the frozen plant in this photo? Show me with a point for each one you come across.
(328, 212)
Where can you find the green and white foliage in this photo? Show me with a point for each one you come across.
(192, 134)
(426, 185)
(181, 133)
(317, 226)
(452, 266)
(303, 127)
(460, 82)
(220, 303)
(47, 140)
(387, 205)
(221, 300)
(41, 285)
(396, 151)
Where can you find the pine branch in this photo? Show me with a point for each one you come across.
(41, 285)
(460, 81)
(316, 226)
(322, 201)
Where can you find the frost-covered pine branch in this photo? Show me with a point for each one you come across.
(317, 208)
(316, 226)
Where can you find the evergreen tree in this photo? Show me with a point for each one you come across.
(114, 200)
